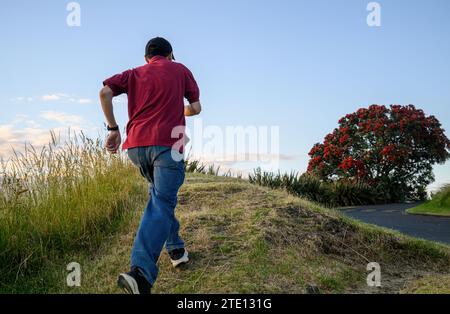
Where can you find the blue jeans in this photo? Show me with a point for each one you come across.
(159, 224)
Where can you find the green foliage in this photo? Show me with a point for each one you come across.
(442, 198)
(338, 193)
(392, 149)
(196, 166)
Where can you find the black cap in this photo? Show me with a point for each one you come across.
(158, 46)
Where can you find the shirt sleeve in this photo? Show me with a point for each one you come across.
(191, 92)
(118, 83)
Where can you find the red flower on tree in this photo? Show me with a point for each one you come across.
(393, 148)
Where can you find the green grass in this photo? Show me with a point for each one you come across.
(64, 197)
(439, 205)
(242, 238)
(248, 239)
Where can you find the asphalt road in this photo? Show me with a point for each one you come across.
(394, 216)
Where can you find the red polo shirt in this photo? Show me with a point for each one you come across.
(155, 102)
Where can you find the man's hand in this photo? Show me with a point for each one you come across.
(113, 141)
(192, 109)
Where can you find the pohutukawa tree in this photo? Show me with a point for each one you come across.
(392, 149)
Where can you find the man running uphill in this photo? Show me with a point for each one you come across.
(156, 114)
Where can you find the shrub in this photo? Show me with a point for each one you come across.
(337, 193)
(442, 197)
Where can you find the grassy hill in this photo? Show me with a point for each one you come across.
(73, 202)
(244, 238)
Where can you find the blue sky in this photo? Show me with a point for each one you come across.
(299, 65)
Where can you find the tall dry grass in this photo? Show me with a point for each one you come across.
(64, 196)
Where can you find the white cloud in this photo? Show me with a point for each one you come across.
(23, 129)
(20, 98)
(52, 97)
(85, 101)
(25, 120)
(61, 117)
(63, 95)
(60, 97)
(13, 138)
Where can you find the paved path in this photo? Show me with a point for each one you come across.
(393, 216)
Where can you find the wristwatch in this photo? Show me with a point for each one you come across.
(116, 128)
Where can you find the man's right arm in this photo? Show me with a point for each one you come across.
(113, 86)
(192, 94)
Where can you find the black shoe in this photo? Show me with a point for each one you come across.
(134, 282)
(178, 257)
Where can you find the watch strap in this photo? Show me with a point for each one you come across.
(116, 128)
